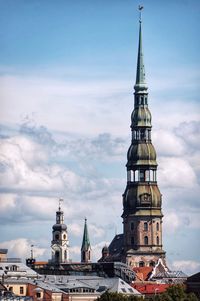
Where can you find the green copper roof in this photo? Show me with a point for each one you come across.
(86, 240)
(140, 83)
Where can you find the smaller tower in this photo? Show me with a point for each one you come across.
(60, 243)
(105, 252)
(86, 248)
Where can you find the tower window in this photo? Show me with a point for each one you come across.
(157, 240)
(141, 264)
(132, 226)
(142, 175)
(64, 236)
(142, 136)
(132, 240)
(146, 240)
(157, 226)
(145, 226)
(57, 236)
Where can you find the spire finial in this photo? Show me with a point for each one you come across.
(140, 83)
(60, 201)
(140, 7)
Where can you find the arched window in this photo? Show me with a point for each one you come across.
(57, 236)
(65, 255)
(145, 226)
(157, 240)
(157, 226)
(141, 264)
(146, 240)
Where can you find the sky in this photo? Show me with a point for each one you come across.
(67, 71)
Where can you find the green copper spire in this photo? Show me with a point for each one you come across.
(140, 83)
(86, 240)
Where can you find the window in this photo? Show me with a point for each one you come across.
(21, 290)
(57, 236)
(157, 226)
(10, 289)
(132, 240)
(141, 264)
(64, 236)
(142, 175)
(13, 268)
(142, 134)
(157, 240)
(132, 226)
(146, 240)
(145, 226)
(38, 295)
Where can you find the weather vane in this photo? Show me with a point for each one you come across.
(140, 7)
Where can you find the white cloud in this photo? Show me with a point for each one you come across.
(171, 222)
(20, 247)
(167, 143)
(187, 266)
(176, 172)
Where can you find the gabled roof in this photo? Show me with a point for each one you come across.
(194, 278)
(143, 273)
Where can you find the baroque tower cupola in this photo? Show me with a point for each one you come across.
(60, 243)
(142, 215)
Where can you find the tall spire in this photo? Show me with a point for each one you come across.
(140, 83)
(86, 248)
(86, 240)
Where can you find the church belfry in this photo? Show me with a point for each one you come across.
(60, 243)
(142, 215)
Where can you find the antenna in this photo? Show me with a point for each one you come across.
(140, 7)
(32, 251)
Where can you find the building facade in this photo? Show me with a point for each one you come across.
(60, 243)
(142, 200)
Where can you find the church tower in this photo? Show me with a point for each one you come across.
(60, 243)
(85, 248)
(142, 215)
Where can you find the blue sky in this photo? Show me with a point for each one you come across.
(67, 71)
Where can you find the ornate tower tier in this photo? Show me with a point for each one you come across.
(60, 243)
(142, 215)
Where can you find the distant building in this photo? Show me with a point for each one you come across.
(86, 247)
(60, 243)
(3, 254)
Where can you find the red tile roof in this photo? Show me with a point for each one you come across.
(143, 273)
(150, 288)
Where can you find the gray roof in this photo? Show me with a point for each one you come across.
(99, 284)
(21, 270)
(3, 251)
